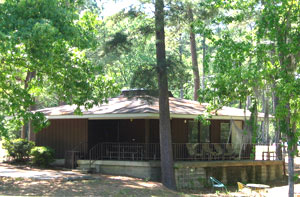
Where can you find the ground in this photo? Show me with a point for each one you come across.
(22, 180)
(57, 182)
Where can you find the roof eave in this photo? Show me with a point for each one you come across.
(140, 116)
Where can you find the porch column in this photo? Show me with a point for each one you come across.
(147, 131)
(237, 137)
(147, 137)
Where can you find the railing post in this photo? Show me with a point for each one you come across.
(101, 151)
(90, 158)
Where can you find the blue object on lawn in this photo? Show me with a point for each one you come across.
(216, 183)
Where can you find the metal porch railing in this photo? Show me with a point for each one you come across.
(181, 152)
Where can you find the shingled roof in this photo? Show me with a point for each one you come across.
(142, 106)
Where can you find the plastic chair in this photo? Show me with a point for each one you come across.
(243, 188)
(217, 184)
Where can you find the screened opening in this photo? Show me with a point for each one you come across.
(225, 132)
(204, 137)
(193, 131)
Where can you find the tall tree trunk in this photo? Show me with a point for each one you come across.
(277, 128)
(291, 130)
(31, 133)
(167, 164)
(29, 76)
(266, 119)
(194, 55)
(203, 62)
(291, 168)
(263, 130)
(23, 132)
(180, 58)
(248, 102)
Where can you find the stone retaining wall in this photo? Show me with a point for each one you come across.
(140, 169)
(194, 174)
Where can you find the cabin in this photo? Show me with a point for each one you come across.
(122, 136)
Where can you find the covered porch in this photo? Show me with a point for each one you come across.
(138, 140)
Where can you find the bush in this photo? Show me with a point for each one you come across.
(42, 156)
(18, 149)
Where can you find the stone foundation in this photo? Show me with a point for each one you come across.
(194, 174)
(140, 169)
(58, 162)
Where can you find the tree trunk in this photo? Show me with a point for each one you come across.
(180, 58)
(248, 102)
(203, 63)
(23, 132)
(167, 164)
(291, 168)
(31, 133)
(194, 56)
(277, 129)
(263, 133)
(266, 119)
(29, 76)
(291, 130)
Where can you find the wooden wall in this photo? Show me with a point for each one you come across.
(178, 127)
(154, 131)
(132, 131)
(215, 130)
(180, 130)
(63, 135)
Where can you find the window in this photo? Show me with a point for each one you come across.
(204, 133)
(193, 131)
(225, 132)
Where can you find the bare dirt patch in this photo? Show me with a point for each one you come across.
(108, 185)
(103, 186)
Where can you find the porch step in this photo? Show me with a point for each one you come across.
(86, 170)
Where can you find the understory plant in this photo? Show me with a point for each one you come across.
(22, 150)
(42, 156)
(18, 149)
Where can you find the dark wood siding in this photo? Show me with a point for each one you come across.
(132, 130)
(215, 130)
(63, 135)
(179, 130)
(103, 131)
(154, 131)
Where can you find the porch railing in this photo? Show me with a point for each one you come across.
(79, 151)
(125, 151)
(182, 151)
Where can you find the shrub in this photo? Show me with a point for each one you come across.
(42, 156)
(18, 149)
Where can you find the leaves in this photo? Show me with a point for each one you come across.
(42, 52)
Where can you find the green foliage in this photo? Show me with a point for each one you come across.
(43, 55)
(257, 47)
(128, 54)
(42, 156)
(18, 149)
(204, 119)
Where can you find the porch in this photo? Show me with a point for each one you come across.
(193, 162)
(193, 174)
(181, 152)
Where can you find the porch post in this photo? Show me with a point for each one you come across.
(147, 136)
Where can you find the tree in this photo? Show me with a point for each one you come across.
(279, 26)
(182, 15)
(43, 52)
(127, 53)
(167, 166)
(268, 55)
